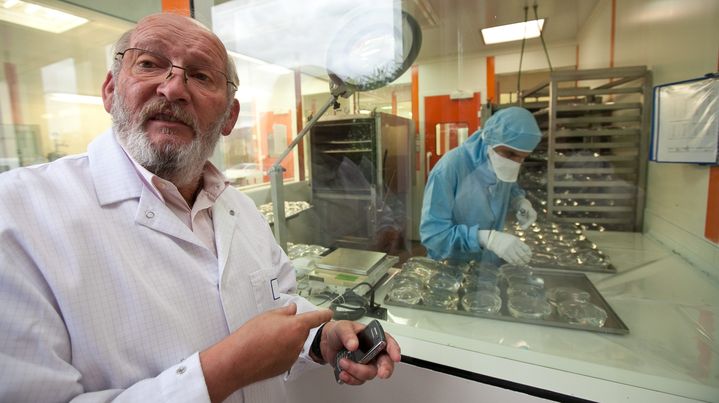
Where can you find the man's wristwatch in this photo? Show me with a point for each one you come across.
(315, 349)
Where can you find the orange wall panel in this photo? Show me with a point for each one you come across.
(491, 90)
(182, 7)
(711, 229)
(442, 109)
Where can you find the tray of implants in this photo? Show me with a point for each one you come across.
(562, 246)
(512, 293)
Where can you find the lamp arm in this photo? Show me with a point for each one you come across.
(276, 171)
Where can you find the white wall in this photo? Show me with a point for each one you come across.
(560, 54)
(677, 40)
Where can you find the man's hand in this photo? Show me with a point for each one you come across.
(343, 334)
(265, 346)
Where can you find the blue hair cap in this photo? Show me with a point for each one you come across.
(513, 127)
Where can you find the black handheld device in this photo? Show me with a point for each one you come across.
(372, 341)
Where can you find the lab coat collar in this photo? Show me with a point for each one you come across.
(116, 179)
(153, 213)
(112, 172)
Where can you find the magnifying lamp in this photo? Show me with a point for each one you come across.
(354, 66)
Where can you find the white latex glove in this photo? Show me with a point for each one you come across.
(526, 215)
(508, 247)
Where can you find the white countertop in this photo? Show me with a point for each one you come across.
(670, 354)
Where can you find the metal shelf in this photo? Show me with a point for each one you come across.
(611, 122)
(595, 124)
(597, 107)
(562, 133)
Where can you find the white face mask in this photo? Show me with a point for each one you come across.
(506, 169)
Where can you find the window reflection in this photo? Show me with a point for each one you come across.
(50, 79)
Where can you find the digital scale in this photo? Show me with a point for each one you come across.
(345, 268)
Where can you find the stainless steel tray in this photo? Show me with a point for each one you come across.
(608, 268)
(612, 325)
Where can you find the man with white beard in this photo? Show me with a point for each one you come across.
(134, 272)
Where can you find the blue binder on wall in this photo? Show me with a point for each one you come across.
(685, 121)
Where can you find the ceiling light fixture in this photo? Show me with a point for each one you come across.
(74, 98)
(39, 17)
(512, 32)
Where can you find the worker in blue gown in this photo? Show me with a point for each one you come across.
(471, 189)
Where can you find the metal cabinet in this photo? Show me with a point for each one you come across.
(361, 170)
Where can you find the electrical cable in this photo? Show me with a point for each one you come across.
(521, 56)
(541, 37)
(348, 306)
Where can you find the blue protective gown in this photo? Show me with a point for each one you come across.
(463, 194)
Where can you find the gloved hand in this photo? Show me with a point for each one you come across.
(506, 246)
(526, 215)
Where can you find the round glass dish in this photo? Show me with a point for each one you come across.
(442, 281)
(484, 274)
(418, 269)
(296, 250)
(523, 307)
(590, 258)
(567, 259)
(480, 265)
(408, 280)
(507, 270)
(480, 277)
(482, 302)
(455, 265)
(540, 258)
(405, 295)
(479, 285)
(527, 290)
(561, 294)
(528, 279)
(424, 261)
(440, 299)
(582, 313)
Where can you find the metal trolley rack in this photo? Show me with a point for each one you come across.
(597, 134)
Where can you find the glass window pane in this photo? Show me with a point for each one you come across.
(50, 82)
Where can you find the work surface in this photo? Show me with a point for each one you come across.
(670, 354)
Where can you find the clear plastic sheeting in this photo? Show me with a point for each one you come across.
(347, 37)
(671, 308)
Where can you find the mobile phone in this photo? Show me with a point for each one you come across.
(372, 341)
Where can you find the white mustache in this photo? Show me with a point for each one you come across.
(175, 112)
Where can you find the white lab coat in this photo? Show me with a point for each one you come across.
(105, 293)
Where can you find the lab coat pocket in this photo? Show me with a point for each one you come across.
(266, 287)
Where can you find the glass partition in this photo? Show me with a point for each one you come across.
(50, 106)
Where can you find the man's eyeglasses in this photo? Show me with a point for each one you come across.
(147, 65)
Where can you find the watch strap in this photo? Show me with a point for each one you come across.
(315, 349)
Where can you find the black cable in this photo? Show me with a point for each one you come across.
(521, 56)
(541, 36)
(326, 296)
(349, 306)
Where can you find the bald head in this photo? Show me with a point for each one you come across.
(157, 31)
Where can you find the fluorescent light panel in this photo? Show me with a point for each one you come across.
(74, 98)
(512, 32)
(38, 17)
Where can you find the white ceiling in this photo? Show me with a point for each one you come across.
(449, 27)
(453, 26)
